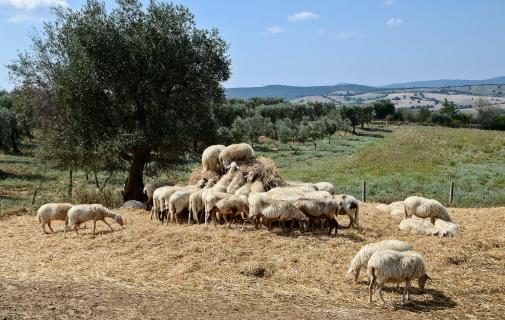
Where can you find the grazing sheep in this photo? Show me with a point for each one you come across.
(149, 190)
(210, 198)
(237, 182)
(360, 260)
(348, 206)
(231, 206)
(441, 228)
(393, 266)
(236, 152)
(210, 158)
(196, 204)
(86, 212)
(179, 202)
(325, 186)
(249, 187)
(53, 211)
(158, 199)
(319, 208)
(424, 208)
(268, 209)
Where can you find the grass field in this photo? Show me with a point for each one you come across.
(152, 271)
(395, 162)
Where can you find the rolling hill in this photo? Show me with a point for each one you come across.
(444, 83)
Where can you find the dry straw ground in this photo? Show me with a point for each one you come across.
(146, 270)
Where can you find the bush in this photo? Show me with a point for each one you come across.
(108, 197)
(9, 132)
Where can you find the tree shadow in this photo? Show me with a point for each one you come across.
(370, 135)
(377, 129)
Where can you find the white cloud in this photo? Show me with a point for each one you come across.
(305, 15)
(32, 4)
(347, 35)
(20, 18)
(275, 30)
(394, 22)
(388, 2)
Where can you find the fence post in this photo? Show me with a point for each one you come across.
(451, 193)
(34, 195)
(70, 183)
(363, 191)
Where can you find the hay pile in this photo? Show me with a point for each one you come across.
(263, 169)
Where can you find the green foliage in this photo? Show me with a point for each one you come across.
(140, 80)
(251, 128)
(486, 113)
(383, 108)
(449, 108)
(353, 114)
(9, 132)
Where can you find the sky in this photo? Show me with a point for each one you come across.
(322, 42)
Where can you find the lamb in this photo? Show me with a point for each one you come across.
(53, 211)
(236, 152)
(150, 188)
(263, 206)
(348, 206)
(360, 260)
(325, 186)
(231, 206)
(424, 208)
(196, 204)
(86, 212)
(210, 158)
(393, 266)
(320, 208)
(441, 228)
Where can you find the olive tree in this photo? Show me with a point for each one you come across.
(133, 83)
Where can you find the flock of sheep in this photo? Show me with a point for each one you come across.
(235, 195)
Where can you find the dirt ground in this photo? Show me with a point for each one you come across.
(149, 271)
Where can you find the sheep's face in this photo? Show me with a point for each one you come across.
(422, 281)
(119, 220)
(353, 272)
(250, 177)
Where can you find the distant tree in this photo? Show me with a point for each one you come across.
(486, 112)
(251, 128)
(288, 133)
(138, 84)
(423, 115)
(449, 108)
(312, 131)
(9, 133)
(383, 108)
(6, 100)
(367, 115)
(353, 114)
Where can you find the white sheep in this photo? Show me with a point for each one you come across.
(210, 158)
(441, 228)
(394, 266)
(210, 198)
(225, 180)
(348, 206)
(179, 202)
(302, 186)
(196, 204)
(86, 212)
(425, 208)
(319, 208)
(361, 258)
(159, 197)
(325, 186)
(53, 211)
(251, 185)
(231, 206)
(235, 152)
(237, 182)
(268, 209)
(395, 209)
(149, 190)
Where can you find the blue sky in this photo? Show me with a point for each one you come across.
(318, 42)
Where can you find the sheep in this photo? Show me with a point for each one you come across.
(263, 206)
(210, 158)
(231, 206)
(237, 182)
(235, 152)
(441, 228)
(302, 186)
(393, 266)
(53, 211)
(325, 186)
(361, 258)
(150, 188)
(348, 206)
(251, 185)
(287, 193)
(424, 208)
(320, 208)
(225, 180)
(86, 212)
(179, 201)
(196, 202)
(395, 209)
(210, 198)
(161, 197)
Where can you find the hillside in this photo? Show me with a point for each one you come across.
(444, 83)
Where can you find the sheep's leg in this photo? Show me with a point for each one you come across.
(44, 228)
(49, 225)
(94, 226)
(351, 221)
(175, 215)
(370, 288)
(107, 224)
(189, 217)
(381, 296)
(408, 290)
(356, 275)
(76, 226)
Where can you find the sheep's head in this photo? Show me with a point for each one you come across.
(232, 167)
(354, 274)
(250, 176)
(210, 183)
(422, 281)
(119, 220)
(200, 183)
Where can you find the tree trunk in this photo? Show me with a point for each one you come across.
(353, 129)
(135, 182)
(70, 183)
